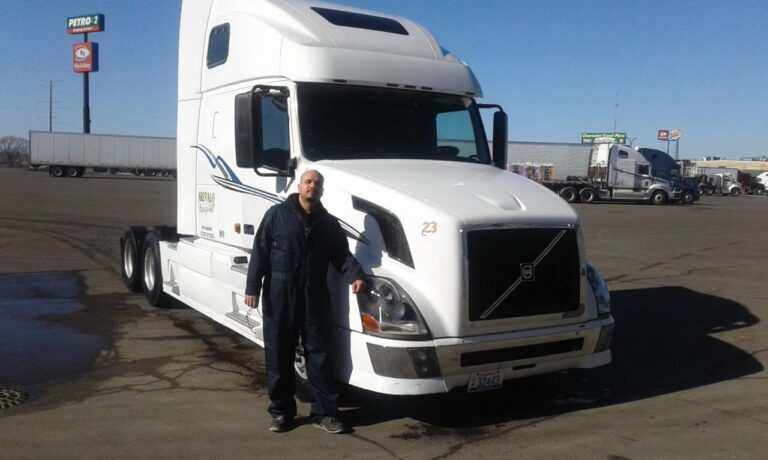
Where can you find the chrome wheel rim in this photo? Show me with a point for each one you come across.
(149, 272)
(128, 258)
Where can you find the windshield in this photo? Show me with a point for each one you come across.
(353, 122)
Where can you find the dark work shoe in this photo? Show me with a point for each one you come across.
(330, 424)
(280, 424)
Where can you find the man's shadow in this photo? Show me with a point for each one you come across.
(662, 344)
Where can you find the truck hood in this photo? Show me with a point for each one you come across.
(472, 193)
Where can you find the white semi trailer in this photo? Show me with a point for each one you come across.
(69, 154)
(478, 275)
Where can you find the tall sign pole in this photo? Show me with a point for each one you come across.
(85, 56)
(86, 98)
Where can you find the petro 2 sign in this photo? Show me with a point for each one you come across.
(85, 24)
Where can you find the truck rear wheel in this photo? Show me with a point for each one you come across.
(74, 171)
(56, 171)
(152, 279)
(587, 195)
(130, 248)
(569, 194)
(659, 197)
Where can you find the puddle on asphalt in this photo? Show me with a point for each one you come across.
(35, 349)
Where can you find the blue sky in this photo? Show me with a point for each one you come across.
(558, 67)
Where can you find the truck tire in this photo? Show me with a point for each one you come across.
(760, 191)
(587, 195)
(735, 192)
(73, 171)
(56, 171)
(708, 191)
(130, 248)
(659, 197)
(569, 194)
(152, 276)
(687, 197)
(303, 388)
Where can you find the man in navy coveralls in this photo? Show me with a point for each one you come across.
(296, 241)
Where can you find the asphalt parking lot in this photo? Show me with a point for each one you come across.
(89, 370)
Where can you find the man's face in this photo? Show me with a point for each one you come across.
(311, 186)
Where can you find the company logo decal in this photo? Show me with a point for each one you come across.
(206, 202)
(229, 180)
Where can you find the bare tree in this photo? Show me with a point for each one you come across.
(14, 151)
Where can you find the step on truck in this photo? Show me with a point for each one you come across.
(477, 275)
(602, 172)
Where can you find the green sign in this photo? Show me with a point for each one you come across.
(85, 24)
(603, 138)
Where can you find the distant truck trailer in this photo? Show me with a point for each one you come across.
(69, 154)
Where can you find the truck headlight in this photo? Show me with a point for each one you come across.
(386, 310)
(599, 289)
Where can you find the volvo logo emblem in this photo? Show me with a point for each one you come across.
(527, 272)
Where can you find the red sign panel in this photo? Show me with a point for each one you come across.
(663, 134)
(85, 57)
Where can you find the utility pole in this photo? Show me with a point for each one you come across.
(615, 112)
(50, 105)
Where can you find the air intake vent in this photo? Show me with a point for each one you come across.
(391, 230)
(522, 272)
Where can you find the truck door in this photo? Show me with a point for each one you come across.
(624, 179)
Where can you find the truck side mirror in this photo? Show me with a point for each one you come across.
(247, 130)
(261, 130)
(500, 139)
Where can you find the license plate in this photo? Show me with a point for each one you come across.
(482, 381)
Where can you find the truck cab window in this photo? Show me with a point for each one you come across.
(455, 136)
(275, 140)
(643, 170)
(218, 46)
(355, 122)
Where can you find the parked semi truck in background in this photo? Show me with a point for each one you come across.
(587, 173)
(476, 274)
(69, 154)
(718, 181)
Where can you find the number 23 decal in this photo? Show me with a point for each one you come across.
(428, 227)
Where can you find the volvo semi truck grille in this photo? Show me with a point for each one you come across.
(522, 272)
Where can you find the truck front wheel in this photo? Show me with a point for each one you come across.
(735, 192)
(659, 197)
(130, 248)
(687, 197)
(569, 194)
(587, 195)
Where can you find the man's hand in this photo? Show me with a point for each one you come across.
(358, 286)
(252, 301)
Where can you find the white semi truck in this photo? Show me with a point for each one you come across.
(69, 154)
(477, 275)
(588, 173)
